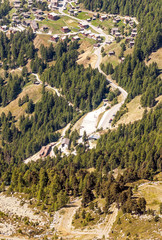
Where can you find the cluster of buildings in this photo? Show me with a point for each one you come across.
(46, 150)
(115, 32)
(53, 4)
(55, 38)
(53, 16)
(21, 19)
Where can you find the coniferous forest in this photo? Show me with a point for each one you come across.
(134, 148)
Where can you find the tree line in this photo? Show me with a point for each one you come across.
(137, 78)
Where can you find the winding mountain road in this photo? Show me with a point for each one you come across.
(90, 122)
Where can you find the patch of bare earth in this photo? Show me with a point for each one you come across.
(87, 57)
(156, 57)
(13, 206)
(62, 223)
(135, 112)
(41, 39)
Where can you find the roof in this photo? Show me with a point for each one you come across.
(111, 52)
(66, 141)
(76, 38)
(95, 137)
(105, 16)
(55, 36)
(115, 29)
(53, 14)
(65, 27)
(34, 24)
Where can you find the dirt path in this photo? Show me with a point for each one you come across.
(110, 222)
(62, 223)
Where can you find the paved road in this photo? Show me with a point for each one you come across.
(89, 123)
(109, 114)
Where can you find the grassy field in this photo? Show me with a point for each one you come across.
(115, 58)
(144, 226)
(156, 57)
(128, 51)
(152, 193)
(117, 49)
(135, 112)
(41, 39)
(84, 15)
(87, 57)
(34, 93)
(55, 26)
(105, 25)
(133, 227)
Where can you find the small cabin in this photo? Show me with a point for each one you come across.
(111, 53)
(75, 38)
(131, 44)
(65, 143)
(53, 16)
(83, 25)
(133, 34)
(103, 18)
(55, 38)
(114, 30)
(65, 29)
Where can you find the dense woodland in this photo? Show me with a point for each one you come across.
(9, 90)
(83, 87)
(16, 50)
(137, 79)
(4, 8)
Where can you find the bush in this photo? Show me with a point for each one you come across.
(156, 219)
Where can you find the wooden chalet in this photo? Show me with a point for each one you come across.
(114, 30)
(111, 53)
(131, 44)
(34, 25)
(53, 16)
(65, 29)
(84, 25)
(103, 18)
(75, 38)
(55, 38)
